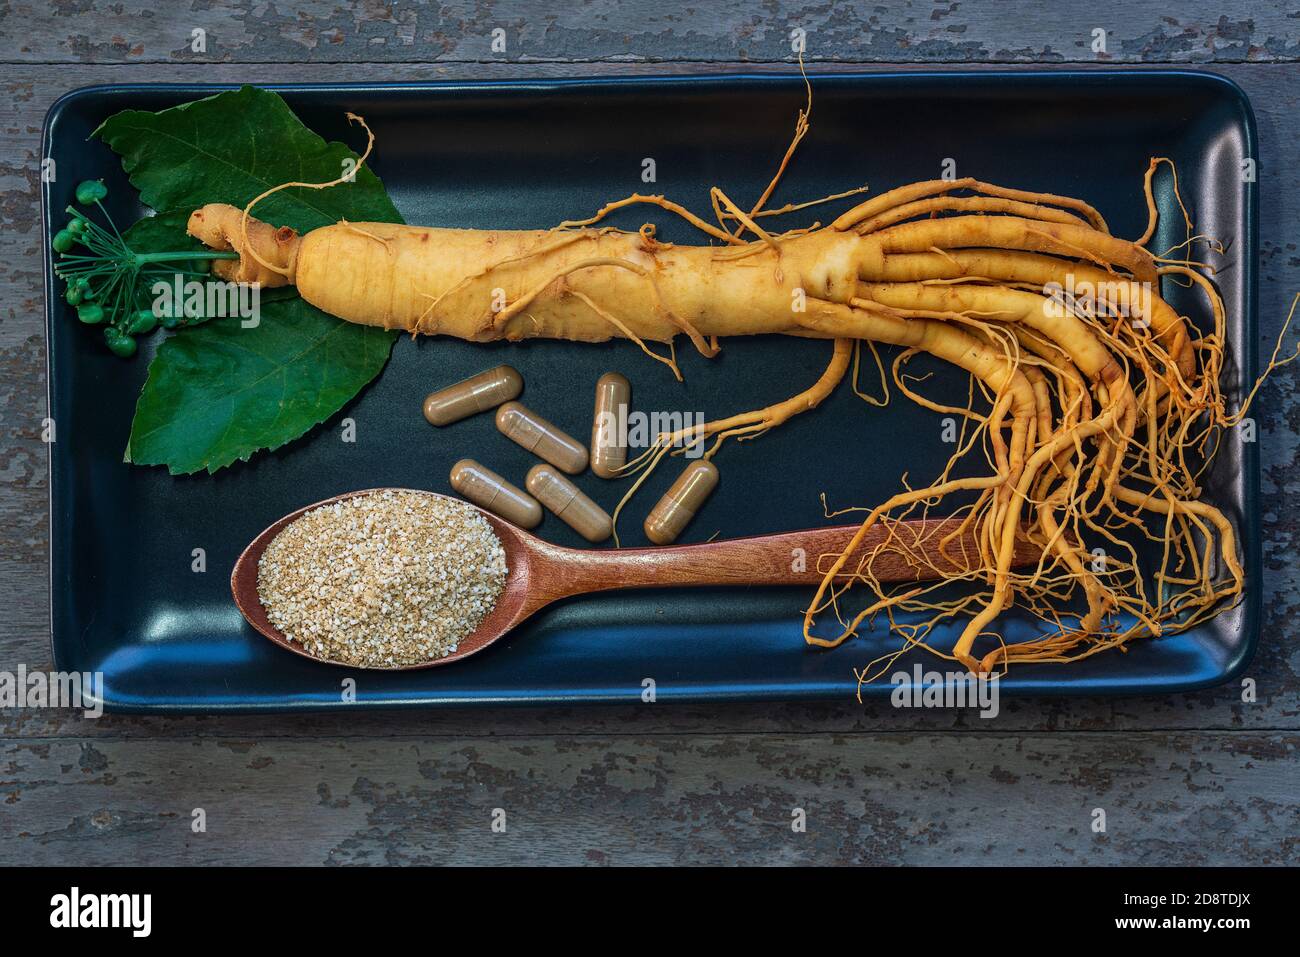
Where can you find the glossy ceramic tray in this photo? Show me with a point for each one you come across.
(530, 154)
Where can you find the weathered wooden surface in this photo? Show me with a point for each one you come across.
(1186, 798)
(728, 31)
(1201, 778)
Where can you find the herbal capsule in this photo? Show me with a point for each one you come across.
(487, 390)
(608, 441)
(669, 518)
(569, 503)
(524, 426)
(488, 490)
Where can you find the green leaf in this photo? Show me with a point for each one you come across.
(218, 393)
(231, 147)
(162, 232)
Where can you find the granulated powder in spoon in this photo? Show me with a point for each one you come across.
(384, 579)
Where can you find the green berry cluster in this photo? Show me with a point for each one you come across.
(108, 282)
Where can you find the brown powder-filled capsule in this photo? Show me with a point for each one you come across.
(674, 512)
(524, 426)
(487, 390)
(488, 490)
(569, 503)
(608, 442)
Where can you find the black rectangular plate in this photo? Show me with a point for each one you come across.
(530, 154)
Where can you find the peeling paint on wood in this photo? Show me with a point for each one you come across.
(732, 31)
(868, 799)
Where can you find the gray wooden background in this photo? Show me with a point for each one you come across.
(1193, 779)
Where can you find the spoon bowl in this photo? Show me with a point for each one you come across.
(512, 605)
(540, 573)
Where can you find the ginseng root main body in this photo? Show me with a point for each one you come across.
(1093, 412)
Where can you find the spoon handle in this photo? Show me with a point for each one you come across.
(787, 558)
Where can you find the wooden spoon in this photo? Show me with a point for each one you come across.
(541, 573)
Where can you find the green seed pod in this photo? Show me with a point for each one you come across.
(62, 241)
(142, 322)
(91, 190)
(76, 226)
(119, 343)
(91, 314)
(72, 295)
(87, 291)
